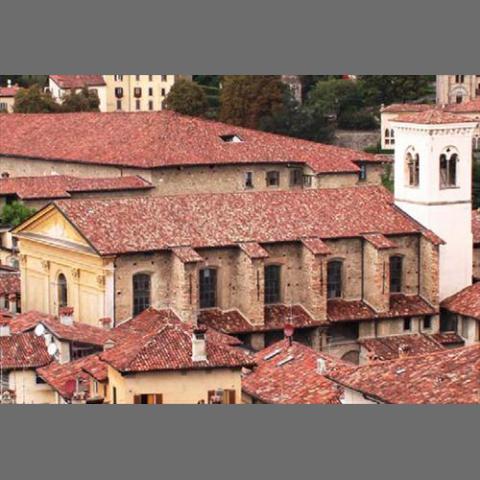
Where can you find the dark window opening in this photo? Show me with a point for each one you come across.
(273, 178)
(272, 284)
(362, 175)
(448, 321)
(208, 288)
(427, 323)
(448, 169)
(413, 167)
(141, 292)
(62, 291)
(334, 279)
(407, 324)
(148, 399)
(296, 177)
(231, 138)
(396, 263)
(249, 180)
(343, 332)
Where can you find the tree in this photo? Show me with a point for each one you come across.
(188, 98)
(15, 213)
(247, 99)
(83, 101)
(34, 100)
(24, 80)
(387, 89)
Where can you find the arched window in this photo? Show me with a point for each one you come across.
(208, 288)
(272, 284)
(412, 167)
(448, 168)
(396, 263)
(141, 292)
(62, 291)
(334, 279)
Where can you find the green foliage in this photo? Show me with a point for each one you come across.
(24, 80)
(309, 81)
(83, 101)
(387, 89)
(188, 98)
(246, 99)
(15, 213)
(207, 80)
(34, 100)
(358, 120)
(387, 178)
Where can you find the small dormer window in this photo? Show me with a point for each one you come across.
(231, 138)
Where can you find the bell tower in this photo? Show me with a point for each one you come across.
(433, 184)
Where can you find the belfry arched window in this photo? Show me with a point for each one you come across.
(448, 168)
(62, 291)
(412, 167)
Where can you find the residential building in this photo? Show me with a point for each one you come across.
(444, 377)
(9, 289)
(62, 85)
(457, 88)
(433, 184)
(176, 153)
(118, 93)
(7, 97)
(244, 264)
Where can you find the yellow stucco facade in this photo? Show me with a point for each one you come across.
(173, 387)
(50, 247)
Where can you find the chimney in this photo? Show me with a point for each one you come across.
(321, 366)
(12, 303)
(4, 329)
(66, 315)
(199, 347)
(106, 323)
(403, 351)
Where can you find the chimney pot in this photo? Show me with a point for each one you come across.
(321, 366)
(66, 315)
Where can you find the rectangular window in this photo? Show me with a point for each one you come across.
(362, 175)
(137, 92)
(163, 92)
(296, 177)
(114, 395)
(137, 104)
(464, 327)
(273, 178)
(334, 279)
(427, 323)
(227, 397)
(118, 78)
(119, 104)
(407, 324)
(396, 274)
(137, 78)
(164, 78)
(4, 380)
(248, 180)
(307, 181)
(208, 288)
(150, 105)
(148, 399)
(141, 292)
(150, 78)
(3, 107)
(119, 92)
(272, 284)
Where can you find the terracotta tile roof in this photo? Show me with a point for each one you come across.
(77, 332)
(466, 302)
(23, 351)
(296, 381)
(187, 254)
(448, 339)
(392, 347)
(152, 320)
(9, 283)
(433, 117)
(407, 107)
(170, 348)
(62, 186)
(316, 246)
(379, 241)
(476, 226)
(447, 377)
(276, 317)
(9, 91)
(161, 139)
(63, 377)
(465, 107)
(339, 310)
(253, 250)
(214, 220)
(78, 81)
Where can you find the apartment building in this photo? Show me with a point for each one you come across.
(457, 88)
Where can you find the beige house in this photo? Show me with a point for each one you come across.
(177, 154)
(244, 264)
(7, 97)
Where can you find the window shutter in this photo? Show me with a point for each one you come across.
(137, 399)
(158, 398)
